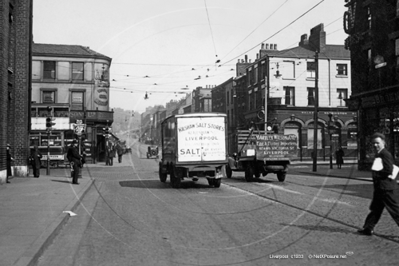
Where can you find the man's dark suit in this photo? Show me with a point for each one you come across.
(385, 192)
(75, 160)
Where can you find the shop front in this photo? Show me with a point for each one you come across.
(378, 112)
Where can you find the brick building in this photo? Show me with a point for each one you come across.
(73, 81)
(373, 41)
(15, 74)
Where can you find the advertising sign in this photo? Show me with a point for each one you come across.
(201, 139)
(276, 147)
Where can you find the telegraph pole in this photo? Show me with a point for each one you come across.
(316, 110)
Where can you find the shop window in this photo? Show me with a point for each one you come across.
(289, 96)
(342, 94)
(49, 70)
(342, 69)
(77, 100)
(77, 71)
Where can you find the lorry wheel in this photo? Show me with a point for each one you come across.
(281, 176)
(162, 175)
(249, 173)
(174, 179)
(211, 182)
(229, 172)
(217, 182)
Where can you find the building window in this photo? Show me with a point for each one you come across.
(342, 69)
(288, 69)
(228, 98)
(77, 100)
(397, 51)
(342, 94)
(77, 71)
(369, 18)
(311, 96)
(48, 97)
(289, 96)
(49, 70)
(311, 69)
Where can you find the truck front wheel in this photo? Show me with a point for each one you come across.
(229, 172)
(175, 180)
(162, 175)
(281, 176)
(249, 173)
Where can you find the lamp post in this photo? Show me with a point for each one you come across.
(330, 133)
(316, 110)
(332, 129)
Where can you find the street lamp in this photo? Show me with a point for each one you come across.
(332, 128)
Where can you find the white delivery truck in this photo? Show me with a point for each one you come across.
(193, 146)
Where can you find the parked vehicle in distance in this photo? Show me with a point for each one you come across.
(152, 151)
(193, 146)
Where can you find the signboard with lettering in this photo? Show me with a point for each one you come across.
(276, 147)
(201, 139)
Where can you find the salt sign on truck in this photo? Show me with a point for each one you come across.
(201, 139)
(193, 146)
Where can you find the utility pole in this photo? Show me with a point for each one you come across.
(316, 110)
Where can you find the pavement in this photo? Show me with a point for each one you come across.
(32, 209)
(32, 213)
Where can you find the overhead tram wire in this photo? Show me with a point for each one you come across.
(246, 37)
(289, 24)
(210, 28)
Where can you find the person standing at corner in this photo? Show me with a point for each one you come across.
(339, 156)
(386, 194)
(75, 160)
(35, 157)
(9, 160)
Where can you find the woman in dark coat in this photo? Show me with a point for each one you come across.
(35, 157)
(9, 160)
(339, 156)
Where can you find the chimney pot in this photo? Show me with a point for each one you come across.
(267, 46)
(275, 46)
(263, 46)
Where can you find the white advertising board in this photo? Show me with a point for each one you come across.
(201, 139)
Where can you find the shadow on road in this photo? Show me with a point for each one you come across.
(156, 184)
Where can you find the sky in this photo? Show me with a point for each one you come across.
(167, 48)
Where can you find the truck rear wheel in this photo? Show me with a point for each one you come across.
(281, 176)
(229, 172)
(162, 175)
(217, 182)
(249, 173)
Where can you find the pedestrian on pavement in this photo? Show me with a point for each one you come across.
(386, 194)
(9, 160)
(74, 159)
(34, 159)
(339, 156)
(111, 155)
(119, 151)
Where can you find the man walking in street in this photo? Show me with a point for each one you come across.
(9, 160)
(75, 160)
(35, 157)
(386, 194)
